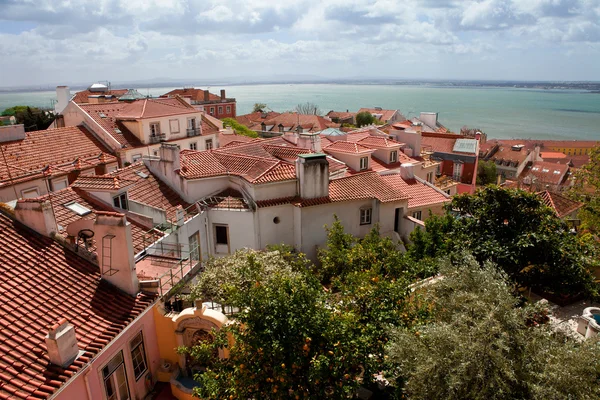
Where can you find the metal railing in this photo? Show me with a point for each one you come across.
(193, 132)
(157, 137)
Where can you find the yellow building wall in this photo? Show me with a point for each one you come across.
(165, 334)
(572, 151)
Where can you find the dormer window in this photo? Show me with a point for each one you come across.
(393, 156)
(364, 163)
(120, 201)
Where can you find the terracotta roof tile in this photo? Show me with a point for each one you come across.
(386, 115)
(63, 150)
(561, 205)
(106, 116)
(347, 147)
(43, 283)
(155, 108)
(379, 142)
(196, 95)
(420, 194)
(367, 185)
(546, 172)
(105, 182)
(150, 190)
(82, 97)
(313, 123)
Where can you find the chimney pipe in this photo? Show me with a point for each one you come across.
(222, 94)
(407, 171)
(61, 343)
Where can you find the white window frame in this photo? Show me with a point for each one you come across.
(364, 163)
(393, 156)
(220, 110)
(208, 144)
(457, 170)
(366, 216)
(137, 344)
(417, 215)
(156, 131)
(193, 145)
(112, 376)
(228, 108)
(122, 200)
(212, 111)
(24, 193)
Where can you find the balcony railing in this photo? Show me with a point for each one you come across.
(193, 132)
(158, 137)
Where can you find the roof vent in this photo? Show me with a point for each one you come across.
(62, 344)
(517, 147)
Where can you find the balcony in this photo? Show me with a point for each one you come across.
(193, 132)
(158, 137)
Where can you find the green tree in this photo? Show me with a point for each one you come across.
(364, 118)
(334, 257)
(289, 341)
(239, 128)
(32, 118)
(514, 229)
(259, 107)
(481, 345)
(486, 172)
(587, 190)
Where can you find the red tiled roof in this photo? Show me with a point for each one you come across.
(561, 205)
(64, 216)
(547, 172)
(82, 97)
(386, 115)
(439, 144)
(41, 283)
(150, 190)
(367, 185)
(347, 147)
(227, 199)
(356, 136)
(313, 123)
(197, 95)
(255, 117)
(420, 194)
(379, 142)
(208, 126)
(155, 108)
(63, 149)
(105, 182)
(106, 116)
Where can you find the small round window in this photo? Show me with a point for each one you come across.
(276, 220)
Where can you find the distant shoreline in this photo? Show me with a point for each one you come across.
(588, 87)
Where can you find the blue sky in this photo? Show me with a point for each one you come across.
(81, 41)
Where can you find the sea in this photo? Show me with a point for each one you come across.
(501, 112)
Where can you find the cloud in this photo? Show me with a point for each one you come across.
(78, 39)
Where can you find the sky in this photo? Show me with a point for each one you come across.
(82, 41)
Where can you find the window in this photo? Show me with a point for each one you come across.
(228, 108)
(220, 109)
(58, 185)
(430, 177)
(365, 216)
(191, 123)
(194, 242)
(438, 169)
(136, 157)
(448, 192)
(155, 128)
(155, 152)
(221, 234)
(115, 379)
(78, 208)
(212, 110)
(417, 214)
(209, 144)
(193, 146)
(30, 193)
(120, 201)
(364, 163)
(457, 171)
(138, 356)
(393, 156)
(174, 125)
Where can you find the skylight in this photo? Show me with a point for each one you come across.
(102, 115)
(545, 170)
(141, 174)
(78, 208)
(117, 130)
(557, 172)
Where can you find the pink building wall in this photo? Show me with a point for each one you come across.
(77, 388)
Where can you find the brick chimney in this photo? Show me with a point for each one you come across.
(206, 95)
(114, 246)
(61, 343)
(222, 94)
(312, 172)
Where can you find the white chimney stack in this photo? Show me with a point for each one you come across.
(407, 171)
(63, 95)
(312, 172)
(62, 343)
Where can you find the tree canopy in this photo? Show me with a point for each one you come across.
(239, 128)
(587, 190)
(486, 172)
(32, 118)
(259, 107)
(481, 343)
(308, 108)
(364, 118)
(514, 229)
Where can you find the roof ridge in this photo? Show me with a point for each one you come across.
(267, 170)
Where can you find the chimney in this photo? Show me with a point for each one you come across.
(169, 153)
(309, 141)
(222, 94)
(312, 172)
(63, 95)
(407, 171)
(61, 343)
(114, 246)
(206, 95)
(9, 133)
(37, 215)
